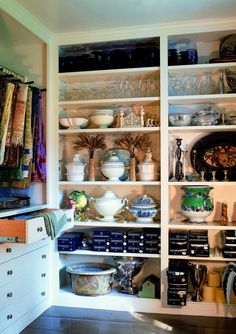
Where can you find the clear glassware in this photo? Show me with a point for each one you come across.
(208, 85)
(172, 84)
(221, 82)
(194, 81)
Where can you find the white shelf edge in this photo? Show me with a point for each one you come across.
(203, 183)
(207, 226)
(109, 130)
(209, 128)
(114, 254)
(119, 101)
(198, 258)
(96, 223)
(205, 66)
(133, 70)
(26, 209)
(202, 99)
(110, 183)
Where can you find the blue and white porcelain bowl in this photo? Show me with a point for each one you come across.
(144, 209)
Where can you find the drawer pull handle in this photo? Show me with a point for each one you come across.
(43, 293)
(44, 256)
(9, 272)
(39, 229)
(9, 316)
(69, 220)
(8, 250)
(43, 275)
(9, 295)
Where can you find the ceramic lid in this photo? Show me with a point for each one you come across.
(113, 161)
(108, 196)
(145, 200)
(148, 160)
(76, 161)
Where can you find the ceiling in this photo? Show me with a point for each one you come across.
(64, 16)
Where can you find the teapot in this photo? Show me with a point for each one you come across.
(108, 205)
(75, 169)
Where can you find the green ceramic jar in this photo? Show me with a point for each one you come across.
(196, 204)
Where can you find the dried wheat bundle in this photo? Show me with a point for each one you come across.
(133, 143)
(91, 143)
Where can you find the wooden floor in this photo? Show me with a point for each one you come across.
(86, 321)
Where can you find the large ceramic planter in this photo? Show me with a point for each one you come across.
(196, 203)
(91, 279)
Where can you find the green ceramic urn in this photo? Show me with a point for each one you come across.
(196, 204)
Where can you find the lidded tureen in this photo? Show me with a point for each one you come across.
(144, 208)
(75, 169)
(113, 168)
(108, 205)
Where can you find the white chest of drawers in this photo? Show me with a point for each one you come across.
(24, 283)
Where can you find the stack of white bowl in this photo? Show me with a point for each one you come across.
(102, 118)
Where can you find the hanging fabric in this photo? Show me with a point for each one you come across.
(19, 117)
(39, 147)
(28, 143)
(5, 119)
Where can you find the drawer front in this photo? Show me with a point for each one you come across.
(11, 270)
(31, 230)
(16, 289)
(16, 310)
(35, 230)
(9, 251)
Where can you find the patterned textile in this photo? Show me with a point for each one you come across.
(39, 147)
(5, 120)
(3, 90)
(19, 116)
(13, 107)
(27, 154)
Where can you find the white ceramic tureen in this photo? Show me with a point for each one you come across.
(144, 209)
(75, 169)
(108, 205)
(112, 168)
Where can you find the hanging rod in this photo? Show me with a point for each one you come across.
(5, 70)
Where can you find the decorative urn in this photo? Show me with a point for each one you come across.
(196, 203)
(113, 168)
(108, 205)
(147, 169)
(144, 209)
(75, 169)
